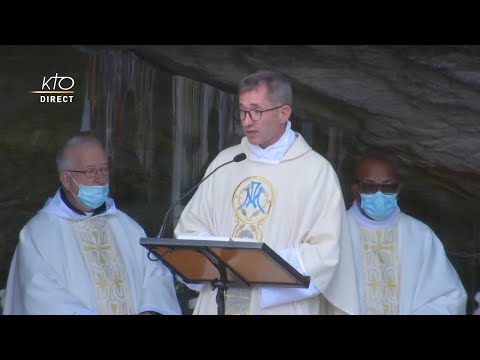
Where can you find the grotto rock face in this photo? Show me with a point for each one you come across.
(420, 103)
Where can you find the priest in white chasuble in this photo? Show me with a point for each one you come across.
(80, 254)
(402, 268)
(284, 194)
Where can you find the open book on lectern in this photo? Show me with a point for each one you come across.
(247, 262)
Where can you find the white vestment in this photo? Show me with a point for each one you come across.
(295, 204)
(402, 267)
(69, 263)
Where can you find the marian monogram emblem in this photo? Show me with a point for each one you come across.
(251, 202)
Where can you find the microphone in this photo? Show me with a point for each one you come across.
(237, 158)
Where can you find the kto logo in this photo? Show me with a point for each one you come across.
(56, 85)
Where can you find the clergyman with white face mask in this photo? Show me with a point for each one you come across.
(80, 254)
(401, 265)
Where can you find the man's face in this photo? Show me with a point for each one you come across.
(374, 175)
(271, 126)
(87, 157)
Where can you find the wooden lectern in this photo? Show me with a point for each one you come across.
(224, 262)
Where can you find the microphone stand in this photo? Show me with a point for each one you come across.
(221, 285)
(237, 158)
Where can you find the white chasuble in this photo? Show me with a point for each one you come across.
(293, 204)
(402, 267)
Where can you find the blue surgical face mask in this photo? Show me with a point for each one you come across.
(92, 196)
(379, 206)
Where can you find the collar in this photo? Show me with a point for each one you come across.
(60, 206)
(274, 153)
(364, 221)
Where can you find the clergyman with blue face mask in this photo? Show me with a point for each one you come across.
(401, 265)
(80, 254)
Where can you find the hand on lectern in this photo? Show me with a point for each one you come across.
(272, 296)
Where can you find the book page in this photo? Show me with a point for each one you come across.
(245, 240)
(213, 238)
(202, 237)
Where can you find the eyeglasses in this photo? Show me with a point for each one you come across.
(92, 172)
(255, 115)
(372, 188)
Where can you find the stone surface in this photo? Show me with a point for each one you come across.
(420, 102)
